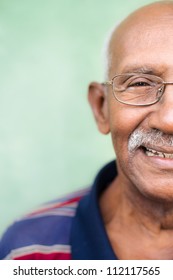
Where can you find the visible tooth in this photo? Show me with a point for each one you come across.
(168, 155)
(151, 150)
(152, 153)
(161, 154)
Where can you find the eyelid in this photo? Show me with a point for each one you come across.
(139, 84)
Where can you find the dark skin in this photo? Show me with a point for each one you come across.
(137, 207)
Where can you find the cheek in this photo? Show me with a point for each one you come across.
(123, 121)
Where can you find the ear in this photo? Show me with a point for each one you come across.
(98, 102)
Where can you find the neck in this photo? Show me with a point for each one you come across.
(128, 215)
(151, 214)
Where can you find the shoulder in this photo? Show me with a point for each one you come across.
(44, 233)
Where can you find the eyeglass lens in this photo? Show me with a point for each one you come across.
(137, 89)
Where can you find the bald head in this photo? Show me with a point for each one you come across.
(138, 31)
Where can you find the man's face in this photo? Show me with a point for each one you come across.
(148, 45)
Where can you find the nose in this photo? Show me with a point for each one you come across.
(161, 116)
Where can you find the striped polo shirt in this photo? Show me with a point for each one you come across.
(68, 228)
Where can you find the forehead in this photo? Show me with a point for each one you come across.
(143, 42)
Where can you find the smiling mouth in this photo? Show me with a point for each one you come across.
(154, 153)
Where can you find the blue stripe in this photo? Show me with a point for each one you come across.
(49, 230)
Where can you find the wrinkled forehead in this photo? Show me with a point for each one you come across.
(140, 37)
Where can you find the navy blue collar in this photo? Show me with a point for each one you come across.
(89, 239)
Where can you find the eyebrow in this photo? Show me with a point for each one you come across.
(142, 70)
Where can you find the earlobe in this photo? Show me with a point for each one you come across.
(98, 102)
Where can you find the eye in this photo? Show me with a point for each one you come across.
(139, 84)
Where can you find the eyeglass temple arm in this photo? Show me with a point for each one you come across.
(107, 83)
(167, 83)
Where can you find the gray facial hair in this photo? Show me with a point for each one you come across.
(152, 137)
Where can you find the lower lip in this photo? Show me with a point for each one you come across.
(163, 163)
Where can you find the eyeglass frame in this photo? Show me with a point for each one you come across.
(161, 89)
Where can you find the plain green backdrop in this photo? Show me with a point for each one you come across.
(49, 52)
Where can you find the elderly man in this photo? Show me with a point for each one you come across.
(128, 212)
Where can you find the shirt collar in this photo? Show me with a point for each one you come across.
(89, 239)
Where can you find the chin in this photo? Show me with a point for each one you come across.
(154, 189)
(150, 178)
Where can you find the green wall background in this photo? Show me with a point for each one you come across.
(49, 52)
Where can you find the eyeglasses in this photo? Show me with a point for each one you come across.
(137, 89)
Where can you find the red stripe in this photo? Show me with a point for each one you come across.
(76, 199)
(42, 256)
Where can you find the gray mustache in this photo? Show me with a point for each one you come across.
(153, 137)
